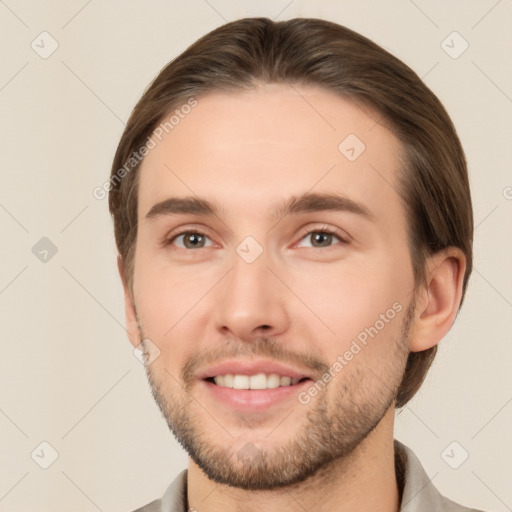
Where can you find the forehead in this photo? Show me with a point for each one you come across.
(248, 148)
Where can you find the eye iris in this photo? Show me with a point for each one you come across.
(324, 239)
(194, 239)
(319, 238)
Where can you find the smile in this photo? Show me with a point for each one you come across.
(257, 381)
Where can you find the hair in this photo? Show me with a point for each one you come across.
(240, 55)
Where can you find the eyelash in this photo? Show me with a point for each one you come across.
(325, 229)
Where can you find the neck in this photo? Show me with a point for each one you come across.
(365, 480)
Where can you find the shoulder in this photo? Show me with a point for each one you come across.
(174, 498)
(154, 506)
(419, 493)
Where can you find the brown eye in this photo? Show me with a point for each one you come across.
(322, 238)
(189, 240)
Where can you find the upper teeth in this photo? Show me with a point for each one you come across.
(258, 381)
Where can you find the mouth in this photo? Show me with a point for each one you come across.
(255, 381)
(253, 386)
(255, 394)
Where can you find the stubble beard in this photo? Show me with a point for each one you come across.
(333, 426)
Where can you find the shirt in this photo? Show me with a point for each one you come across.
(418, 494)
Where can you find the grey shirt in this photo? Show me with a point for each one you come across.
(418, 494)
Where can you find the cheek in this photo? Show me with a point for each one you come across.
(161, 314)
(347, 299)
(157, 298)
(169, 308)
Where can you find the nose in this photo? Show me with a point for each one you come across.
(252, 301)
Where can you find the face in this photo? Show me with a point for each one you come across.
(273, 274)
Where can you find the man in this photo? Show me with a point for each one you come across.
(293, 218)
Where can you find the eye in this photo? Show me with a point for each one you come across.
(319, 238)
(189, 240)
(323, 237)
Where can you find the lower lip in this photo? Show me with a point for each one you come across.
(254, 399)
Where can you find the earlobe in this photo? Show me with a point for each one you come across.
(439, 299)
(132, 325)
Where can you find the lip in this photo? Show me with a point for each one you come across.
(253, 400)
(251, 367)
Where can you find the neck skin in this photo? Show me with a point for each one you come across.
(364, 481)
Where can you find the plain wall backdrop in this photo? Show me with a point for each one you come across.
(68, 376)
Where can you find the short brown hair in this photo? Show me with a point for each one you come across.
(240, 55)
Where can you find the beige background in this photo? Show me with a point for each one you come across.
(67, 372)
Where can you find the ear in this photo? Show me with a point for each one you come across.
(438, 299)
(129, 307)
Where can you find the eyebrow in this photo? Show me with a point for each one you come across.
(305, 203)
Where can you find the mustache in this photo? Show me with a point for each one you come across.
(263, 346)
